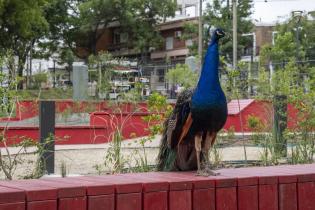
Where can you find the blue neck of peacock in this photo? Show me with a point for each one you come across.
(209, 77)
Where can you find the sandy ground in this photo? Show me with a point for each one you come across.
(82, 159)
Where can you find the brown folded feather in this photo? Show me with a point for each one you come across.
(186, 128)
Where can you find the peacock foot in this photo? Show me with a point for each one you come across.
(212, 172)
(207, 172)
(202, 172)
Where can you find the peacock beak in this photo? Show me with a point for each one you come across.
(220, 33)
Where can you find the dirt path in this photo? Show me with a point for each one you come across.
(82, 159)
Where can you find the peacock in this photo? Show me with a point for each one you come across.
(198, 115)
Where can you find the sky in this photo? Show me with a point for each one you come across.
(277, 10)
(272, 10)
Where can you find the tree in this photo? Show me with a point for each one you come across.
(190, 32)
(91, 20)
(22, 23)
(290, 81)
(295, 38)
(181, 75)
(58, 14)
(145, 16)
(219, 14)
(103, 62)
(136, 17)
(284, 49)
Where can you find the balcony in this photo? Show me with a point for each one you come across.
(169, 53)
(121, 49)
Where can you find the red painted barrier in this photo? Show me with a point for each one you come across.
(262, 110)
(29, 108)
(131, 124)
(64, 134)
(265, 188)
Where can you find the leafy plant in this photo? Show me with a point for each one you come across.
(38, 79)
(255, 123)
(182, 75)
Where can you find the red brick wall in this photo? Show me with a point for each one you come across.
(265, 188)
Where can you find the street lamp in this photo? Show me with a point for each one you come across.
(298, 16)
(250, 88)
(200, 34)
(234, 34)
(54, 69)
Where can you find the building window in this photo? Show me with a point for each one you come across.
(189, 43)
(116, 36)
(123, 37)
(169, 43)
(120, 37)
(178, 34)
(161, 74)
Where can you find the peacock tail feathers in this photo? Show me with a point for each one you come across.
(167, 155)
(172, 131)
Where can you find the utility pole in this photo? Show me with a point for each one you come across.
(200, 35)
(297, 15)
(234, 34)
(184, 8)
(54, 81)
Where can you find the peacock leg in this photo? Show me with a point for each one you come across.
(209, 141)
(198, 141)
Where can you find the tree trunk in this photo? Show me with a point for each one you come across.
(21, 64)
(144, 55)
(280, 124)
(93, 46)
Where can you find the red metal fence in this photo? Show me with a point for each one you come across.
(268, 188)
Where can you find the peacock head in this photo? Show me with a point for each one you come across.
(217, 34)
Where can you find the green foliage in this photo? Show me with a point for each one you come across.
(8, 91)
(294, 82)
(145, 17)
(216, 154)
(182, 75)
(219, 14)
(263, 84)
(38, 79)
(284, 48)
(22, 23)
(138, 18)
(9, 162)
(189, 33)
(236, 81)
(156, 102)
(290, 42)
(114, 158)
(303, 147)
(92, 19)
(103, 62)
(255, 123)
(134, 95)
(269, 155)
